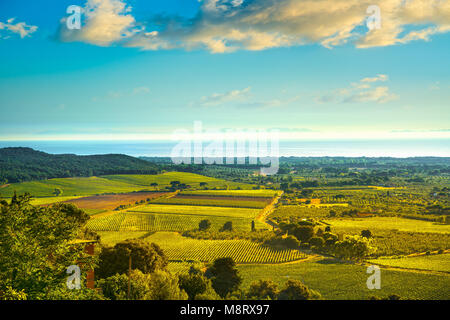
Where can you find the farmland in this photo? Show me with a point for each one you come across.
(335, 280)
(178, 248)
(217, 202)
(113, 184)
(433, 262)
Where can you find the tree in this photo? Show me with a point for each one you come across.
(366, 234)
(154, 184)
(352, 248)
(35, 247)
(203, 184)
(204, 225)
(144, 256)
(296, 290)
(194, 285)
(224, 276)
(57, 192)
(317, 242)
(228, 226)
(263, 290)
(159, 285)
(303, 233)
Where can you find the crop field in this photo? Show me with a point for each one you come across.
(51, 200)
(165, 179)
(110, 202)
(212, 202)
(234, 193)
(178, 248)
(386, 223)
(134, 221)
(304, 211)
(395, 243)
(198, 210)
(434, 262)
(112, 237)
(113, 184)
(348, 281)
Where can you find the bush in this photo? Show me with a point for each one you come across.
(352, 248)
(263, 290)
(204, 225)
(366, 234)
(228, 226)
(144, 257)
(296, 290)
(303, 233)
(317, 242)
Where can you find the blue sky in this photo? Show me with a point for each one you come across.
(142, 69)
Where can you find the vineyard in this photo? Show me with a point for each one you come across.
(212, 202)
(178, 248)
(263, 193)
(134, 221)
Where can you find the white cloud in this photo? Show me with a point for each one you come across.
(20, 28)
(106, 22)
(223, 26)
(220, 98)
(361, 92)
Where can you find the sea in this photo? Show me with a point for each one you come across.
(318, 148)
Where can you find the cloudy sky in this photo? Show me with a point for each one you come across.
(141, 69)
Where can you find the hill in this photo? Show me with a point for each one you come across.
(25, 164)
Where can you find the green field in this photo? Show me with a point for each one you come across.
(112, 184)
(435, 262)
(179, 248)
(111, 238)
(234, 193)
(198, 210)
(386, 223)
(135, 221)
(50, 200)
(348, 281)
(212, 202)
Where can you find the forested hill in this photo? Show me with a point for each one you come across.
(25, 164)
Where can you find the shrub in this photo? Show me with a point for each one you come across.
(296, 290)
(204, 225)
(144, 256)
(263, 290)
(366, 234)
(317, 242)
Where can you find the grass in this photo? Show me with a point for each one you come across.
(435, 262)
(178, 248)
(348, 281)
(349, 225)
(112, 184)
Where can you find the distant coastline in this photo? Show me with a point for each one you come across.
(347, 148)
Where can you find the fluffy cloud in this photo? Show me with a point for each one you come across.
(21, 28)
(229, 25)
(105, 22)
(361, 92)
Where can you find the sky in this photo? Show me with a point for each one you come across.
(142, 69)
